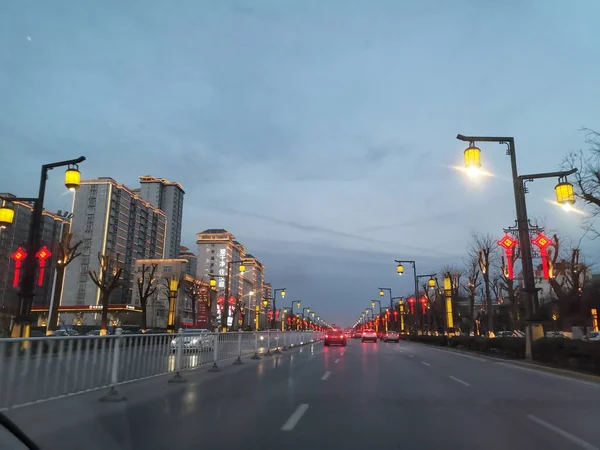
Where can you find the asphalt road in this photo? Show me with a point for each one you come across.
(389, 396)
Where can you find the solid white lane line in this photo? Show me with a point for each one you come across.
(336, 361)
(295, 418)
(427, 364)
(457, 353)
(458, 380)
(326, 375)
(574, 439)
(548, 374)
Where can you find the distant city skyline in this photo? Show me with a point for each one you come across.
(322, 134)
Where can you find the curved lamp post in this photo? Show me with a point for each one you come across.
(564, 196)
(23, 320)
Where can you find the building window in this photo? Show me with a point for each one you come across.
(167, 269)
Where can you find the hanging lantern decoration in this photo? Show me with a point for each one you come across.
(508, 243)
(43, 254)
(18, 256)
(411, 302)
(542, 242)
(423, 304)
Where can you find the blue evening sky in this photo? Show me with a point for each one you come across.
(319, 132)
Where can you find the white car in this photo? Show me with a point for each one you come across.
(369, 335)
(194, 339)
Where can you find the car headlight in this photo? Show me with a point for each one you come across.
(195, 340)
(262, 338)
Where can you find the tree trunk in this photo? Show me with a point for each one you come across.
(104, 320)
(53, 314)
(194, 314)
(144, 318)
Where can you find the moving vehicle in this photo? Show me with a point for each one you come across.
(334, 337)
(356, 334)
(391, 336)
(194, 340)
(369, 335)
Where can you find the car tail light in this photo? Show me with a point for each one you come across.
(326, 336)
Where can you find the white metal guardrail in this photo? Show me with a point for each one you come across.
(39, 369)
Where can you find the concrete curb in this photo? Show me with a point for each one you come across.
(518, 363)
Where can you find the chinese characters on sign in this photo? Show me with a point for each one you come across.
(202, 310)
(222, 268)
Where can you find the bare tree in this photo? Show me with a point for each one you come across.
(193, 290)
(107, 278)
(485, 246)
(472, 284)
(146, 285)
(567, 279)
(587, 177)
(66, 252)
(506, 284)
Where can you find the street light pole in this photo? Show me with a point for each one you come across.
(273, 318)
(23, 319)
(529, 290)
(400, 271)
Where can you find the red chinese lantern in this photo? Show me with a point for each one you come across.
(542, 242)
(411, 302)
(18, 256)
(508, 243)
(423, 304)
(43, 254)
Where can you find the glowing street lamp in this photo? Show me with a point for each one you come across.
(564, 196)
(472, 159)
(399, 270)
(7, 214)
(564, 193)
(22, 321)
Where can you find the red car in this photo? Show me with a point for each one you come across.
(334, 337)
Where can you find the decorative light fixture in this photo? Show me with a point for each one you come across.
(400, 269)
(564, 193)
(7, 215)
(72, 177)
(472, 158)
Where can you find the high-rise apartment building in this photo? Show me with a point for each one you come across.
(111, 219)
(254, 280)
(216, 249)
(167, 196)
(16, 235)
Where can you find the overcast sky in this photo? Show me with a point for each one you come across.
(321, 133)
